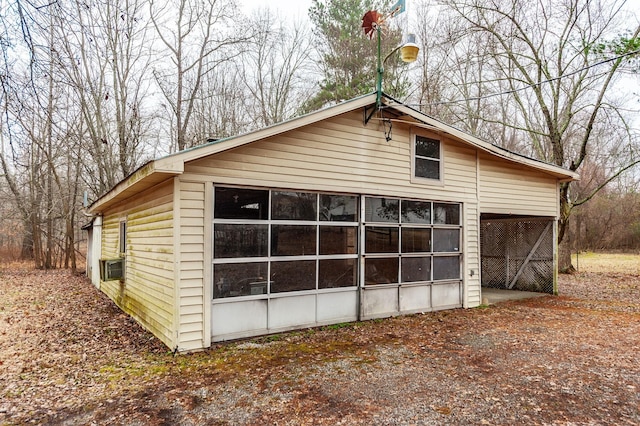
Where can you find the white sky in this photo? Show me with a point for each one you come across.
(290, 9)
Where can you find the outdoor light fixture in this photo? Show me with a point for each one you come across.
(409, 50)
(372, 23)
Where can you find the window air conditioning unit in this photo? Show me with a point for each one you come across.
(112, 269)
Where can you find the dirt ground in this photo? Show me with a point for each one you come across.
(69, 356)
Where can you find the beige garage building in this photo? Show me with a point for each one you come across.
(345, 214)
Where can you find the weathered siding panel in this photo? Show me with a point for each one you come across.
(192, 297)
(110, 236)
(147, 292)
(508, 189)
(472, 256)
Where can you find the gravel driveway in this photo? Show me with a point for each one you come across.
(69, 356)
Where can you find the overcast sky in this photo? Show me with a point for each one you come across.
(291, 9)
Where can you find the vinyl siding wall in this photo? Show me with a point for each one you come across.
(147, 293)
(342, 155)
(192, 277)
(508, 189)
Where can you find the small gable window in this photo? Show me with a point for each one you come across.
(427, 158)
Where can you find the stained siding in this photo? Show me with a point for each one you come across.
(147, 292)
(110, 232)
(509, 189)
(192, 243)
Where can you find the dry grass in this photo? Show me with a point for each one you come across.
(607, 263)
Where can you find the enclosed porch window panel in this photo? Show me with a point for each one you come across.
(338, 208)
(379, 209)
(289, 205)
(381, 270)
(240, 240)
(381, 239)
(416, 240)
(446, 240)
(240, 279)
(295, 275)
(413, 248)
(293, 240)
(338, 240)
(295, 247)
(415, 269)
(416, 211)
(241, 203)
(334, 273)
(446, 268)
(446, 214)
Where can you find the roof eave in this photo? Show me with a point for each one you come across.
(144, 177)
(276, 129)
(563, 175)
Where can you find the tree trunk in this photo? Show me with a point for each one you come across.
(27, 243)
(564, 244)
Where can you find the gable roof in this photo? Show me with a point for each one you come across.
(156, 171)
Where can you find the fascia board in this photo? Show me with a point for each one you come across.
(142, 174)
(564, 174)
(293, 124)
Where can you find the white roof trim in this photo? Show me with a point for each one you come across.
(433, 124)
(236, 141)
(174, 164)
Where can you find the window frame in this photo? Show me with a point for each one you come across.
(425, 180)
(432, 254)
(318, 223)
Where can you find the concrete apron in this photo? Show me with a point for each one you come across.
(491, 296)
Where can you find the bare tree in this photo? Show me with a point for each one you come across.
(273, 69)
(223, 112)
(549, 54)
(198, 36)
(103, 56)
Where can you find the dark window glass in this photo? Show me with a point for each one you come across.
(381, 271)
(448, 214)
(238, 203)
(293, 206)
(338, 240)
(239, 279)
(429, 169)
(338, 208)
(379, 239)
(293, 276)
(446, 267)
(337, 273)
(231, 240)
(446, 240)
(381, 210)
(426, 147)
(416, 269)
(416, 240)
(416, 211)
(123, 237)
(293, 240)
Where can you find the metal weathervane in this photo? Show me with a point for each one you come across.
(373, 23)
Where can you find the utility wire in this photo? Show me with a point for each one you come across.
(508, 92)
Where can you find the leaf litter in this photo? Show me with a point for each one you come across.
(69, 356)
